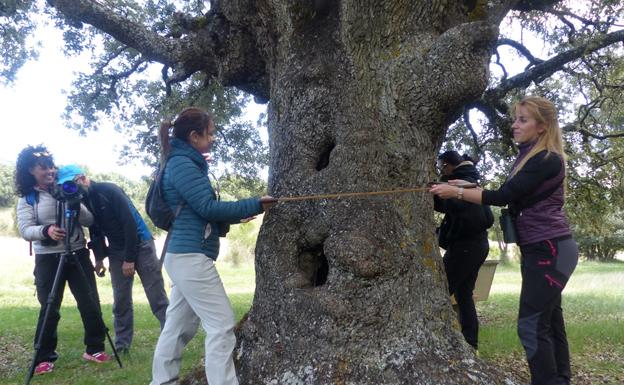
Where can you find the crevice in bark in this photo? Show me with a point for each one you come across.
(323, 160)
(314, 266)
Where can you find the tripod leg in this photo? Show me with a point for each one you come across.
(49, 303)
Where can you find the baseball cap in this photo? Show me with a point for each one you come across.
(68, 172)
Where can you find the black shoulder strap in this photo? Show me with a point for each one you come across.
(159, 177)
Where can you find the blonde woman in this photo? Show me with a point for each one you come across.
(534, 192)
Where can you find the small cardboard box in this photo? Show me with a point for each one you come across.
(484, 281)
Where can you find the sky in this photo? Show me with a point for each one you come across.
(32, 108)
(31, 112)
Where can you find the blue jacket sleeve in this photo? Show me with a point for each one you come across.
(195, 189)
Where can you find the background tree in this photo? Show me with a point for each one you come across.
(588, 91)
(7, 183)
(361, 95)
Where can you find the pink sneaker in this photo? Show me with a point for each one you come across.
(98, 357)
(44, 367)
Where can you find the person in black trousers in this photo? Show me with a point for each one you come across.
(463, 233)
(37, 212)
(535, 194)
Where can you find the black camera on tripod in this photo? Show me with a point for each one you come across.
(69, 192)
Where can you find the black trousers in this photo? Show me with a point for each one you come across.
(546, 267)
(462, 261)
(85, 293)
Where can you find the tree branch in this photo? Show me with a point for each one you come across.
(211, 44)
(498, 63)
(473, 134)
(522, 49)
(554, 64)
(534, 5)
(153, 46)
(574, 128)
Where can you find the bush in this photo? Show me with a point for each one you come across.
(600, 248)
(8, 222)
(242, 242)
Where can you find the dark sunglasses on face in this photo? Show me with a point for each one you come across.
(45, 166)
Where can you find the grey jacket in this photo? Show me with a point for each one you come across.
(32, 219)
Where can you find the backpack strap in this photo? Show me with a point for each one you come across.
(159, 177)
(32, 198)
(164, 249)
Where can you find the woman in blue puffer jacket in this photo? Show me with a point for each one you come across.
(197, 294)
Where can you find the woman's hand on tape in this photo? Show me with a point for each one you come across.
(267, 201)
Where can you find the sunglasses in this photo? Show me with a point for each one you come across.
(39, 154)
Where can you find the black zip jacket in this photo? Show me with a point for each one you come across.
(462, 220)
(116, 220)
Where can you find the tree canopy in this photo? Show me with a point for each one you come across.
(150, 58)
(362, 94)
(189, 44)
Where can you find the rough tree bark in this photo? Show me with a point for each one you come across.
(352, 291)
(348, 291)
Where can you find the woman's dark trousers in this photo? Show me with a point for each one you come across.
(546, 268)
(462, 261)
(84, 292)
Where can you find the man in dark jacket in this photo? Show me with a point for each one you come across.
(463, 233)
(130, 249)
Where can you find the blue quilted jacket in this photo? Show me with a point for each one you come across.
(196, 228)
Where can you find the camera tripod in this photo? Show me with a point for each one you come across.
(66, 219)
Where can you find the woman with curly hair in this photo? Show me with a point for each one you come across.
(37, 211)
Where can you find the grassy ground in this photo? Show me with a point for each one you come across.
(593, 307)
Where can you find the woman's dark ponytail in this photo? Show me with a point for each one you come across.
(190, 119)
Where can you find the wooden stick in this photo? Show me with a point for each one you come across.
(368, 193)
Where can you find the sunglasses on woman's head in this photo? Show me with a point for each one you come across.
(39, 154)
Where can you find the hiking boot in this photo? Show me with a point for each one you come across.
(44, 367)
(98, 357)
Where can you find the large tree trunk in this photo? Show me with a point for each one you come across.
(352, 291)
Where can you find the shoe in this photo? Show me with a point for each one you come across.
(44, 367)
(98, 357)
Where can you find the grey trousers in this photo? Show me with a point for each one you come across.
(197, 296)
(148, 268)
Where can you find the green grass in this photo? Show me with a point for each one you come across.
(18, 317)
(593, 307)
